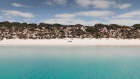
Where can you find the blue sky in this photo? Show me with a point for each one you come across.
(86, 12)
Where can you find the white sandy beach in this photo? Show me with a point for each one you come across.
(71, 42)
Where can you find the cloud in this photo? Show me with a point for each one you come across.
(11, 20)
(101, 4)
(0, 17)
(71, 21)
(20, 5)
(132, 14)
(49, 3)
(123, 21)
(28, 20)
(58, 2)
(66, 15)
(17, 13)
(94, 13)
(123, 6)
(61, 2)
(83, 3)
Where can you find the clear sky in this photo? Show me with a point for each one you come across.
(86, 12)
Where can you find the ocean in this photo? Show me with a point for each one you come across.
(69, 62)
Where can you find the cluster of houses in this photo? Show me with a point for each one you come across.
(29, 31)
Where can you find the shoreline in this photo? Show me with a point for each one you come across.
(71, 42)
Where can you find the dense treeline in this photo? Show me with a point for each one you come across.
(18, 30)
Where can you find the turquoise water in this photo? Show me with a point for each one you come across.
(67, 62)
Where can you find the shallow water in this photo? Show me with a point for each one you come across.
(67, 62)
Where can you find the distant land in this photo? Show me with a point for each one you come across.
(16, 30)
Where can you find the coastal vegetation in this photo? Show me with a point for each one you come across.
(16, 30)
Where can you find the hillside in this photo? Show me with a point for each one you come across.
(17, 30)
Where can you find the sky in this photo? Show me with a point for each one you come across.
(69, 12)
